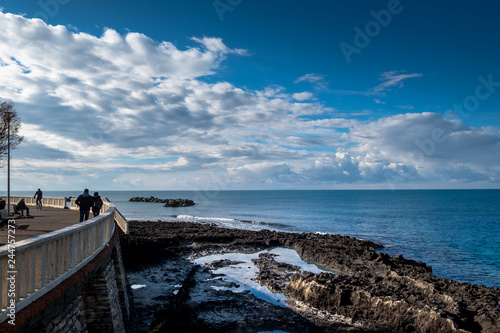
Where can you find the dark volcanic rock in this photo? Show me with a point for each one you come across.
(167, 202)
(199, 308)
(178, 203)
(147, 199)
(383, 293)
(222, 263)
(272, 274)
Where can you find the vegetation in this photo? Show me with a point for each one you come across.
(8, 118)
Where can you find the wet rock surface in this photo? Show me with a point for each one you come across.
(373, 293)
(273, 274)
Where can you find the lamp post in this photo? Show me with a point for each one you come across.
(9, 115)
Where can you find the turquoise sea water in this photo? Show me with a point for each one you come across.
(457, 232)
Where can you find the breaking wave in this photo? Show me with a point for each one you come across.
(224, 220)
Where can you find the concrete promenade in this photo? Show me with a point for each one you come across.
(41, 221)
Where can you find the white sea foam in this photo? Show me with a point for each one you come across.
(198, 218)
(228, 222)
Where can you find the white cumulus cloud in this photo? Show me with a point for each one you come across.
(126, 110)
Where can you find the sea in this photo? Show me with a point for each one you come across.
(456, 232)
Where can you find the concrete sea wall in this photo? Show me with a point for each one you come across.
(94, 299)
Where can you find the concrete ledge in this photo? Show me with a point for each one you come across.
(37, 306)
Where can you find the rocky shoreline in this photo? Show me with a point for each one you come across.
(167, 202)
(371, 292)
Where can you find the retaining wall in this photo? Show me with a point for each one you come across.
(68, 280)
(88, 301)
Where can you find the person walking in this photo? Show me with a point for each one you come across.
(39, 196)
(84, 201)
(97, 204)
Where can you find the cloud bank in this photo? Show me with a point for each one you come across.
(125, 111)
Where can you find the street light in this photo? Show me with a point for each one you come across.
(9, 116)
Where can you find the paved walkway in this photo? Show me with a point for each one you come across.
(42, 221)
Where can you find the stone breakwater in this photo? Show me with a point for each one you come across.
(167, 202)
(374, 292)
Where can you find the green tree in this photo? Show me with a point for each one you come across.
(8, 118)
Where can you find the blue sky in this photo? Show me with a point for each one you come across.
(238, 94)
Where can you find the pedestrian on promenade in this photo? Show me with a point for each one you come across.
(97, 204)
(39, 196)
(84, 201)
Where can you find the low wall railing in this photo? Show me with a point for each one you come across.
(31, 268)
(46, 202)
(70, 203)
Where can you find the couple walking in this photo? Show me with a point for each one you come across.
(85, 202)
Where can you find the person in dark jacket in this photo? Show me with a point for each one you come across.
(39, 196)
(20, 206)
(84, 201)
(97, 204)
